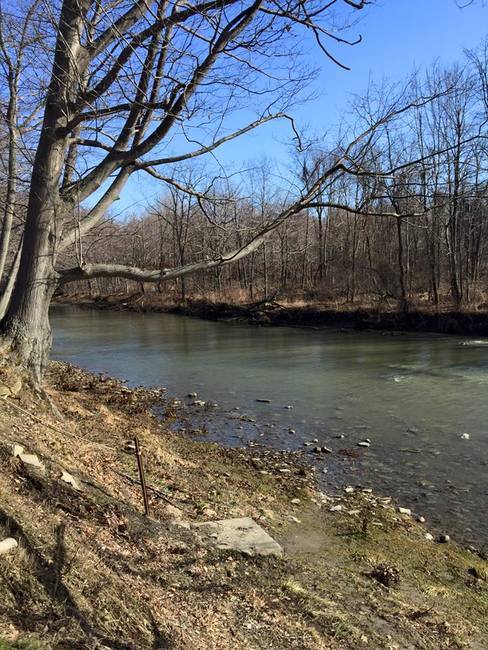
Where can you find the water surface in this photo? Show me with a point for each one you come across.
(413, 396)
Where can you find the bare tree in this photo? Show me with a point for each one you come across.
(129, 79)
(19, 39)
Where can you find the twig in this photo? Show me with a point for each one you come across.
(142, 478)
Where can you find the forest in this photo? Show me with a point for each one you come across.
(416, 238)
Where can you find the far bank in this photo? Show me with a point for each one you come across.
(268, 313)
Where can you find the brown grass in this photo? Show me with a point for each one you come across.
(92, 569)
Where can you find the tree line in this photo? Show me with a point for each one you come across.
(416, 237)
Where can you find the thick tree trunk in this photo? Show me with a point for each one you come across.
(25, 327)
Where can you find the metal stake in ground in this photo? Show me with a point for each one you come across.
(141, 476)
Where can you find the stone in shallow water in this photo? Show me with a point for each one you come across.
(241, 534)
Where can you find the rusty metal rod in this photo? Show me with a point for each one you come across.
(141, 476)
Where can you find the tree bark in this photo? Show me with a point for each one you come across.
(25, 327)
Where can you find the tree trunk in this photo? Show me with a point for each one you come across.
(401, 267)
(25, 327)
(9, 286)
(9, 207)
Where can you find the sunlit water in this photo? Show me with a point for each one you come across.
(412, 396)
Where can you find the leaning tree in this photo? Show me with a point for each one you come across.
(136, 86)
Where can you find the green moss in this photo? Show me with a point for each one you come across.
(22, 644)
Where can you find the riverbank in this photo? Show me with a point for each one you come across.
(90, 568)
(447, 321)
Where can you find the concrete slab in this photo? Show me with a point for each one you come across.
(241, 534)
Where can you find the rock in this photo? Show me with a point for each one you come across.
(288, 406)
(17, 450)
(326, 450)
(7, 545)
(295, 519)
(317, 450)
(325, 470)
(386, 574)
(192, 395)
(315, 440)
(404, 511)
(443, 539)
(465, 436)
(325, 498)
(364, 443)
(336, 508)
(32, 460)
(477, 573)
(199, 402)
(429, 537)
(241, 534)
(340, 436)
(295, 501)
(70, 479)
(421, 519)
(291, 431)
(367, 490)
(349, 489)
(263, 400)
(16, 387)
(4, 390)
(354, 512)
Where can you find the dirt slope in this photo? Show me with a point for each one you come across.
(92, 572)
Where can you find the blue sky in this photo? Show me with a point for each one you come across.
(398, 35)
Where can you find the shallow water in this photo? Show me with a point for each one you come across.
(411, 395)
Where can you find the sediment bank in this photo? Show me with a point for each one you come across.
(91, 569)
(273, 313)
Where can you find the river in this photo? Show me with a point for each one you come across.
(412, 396)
